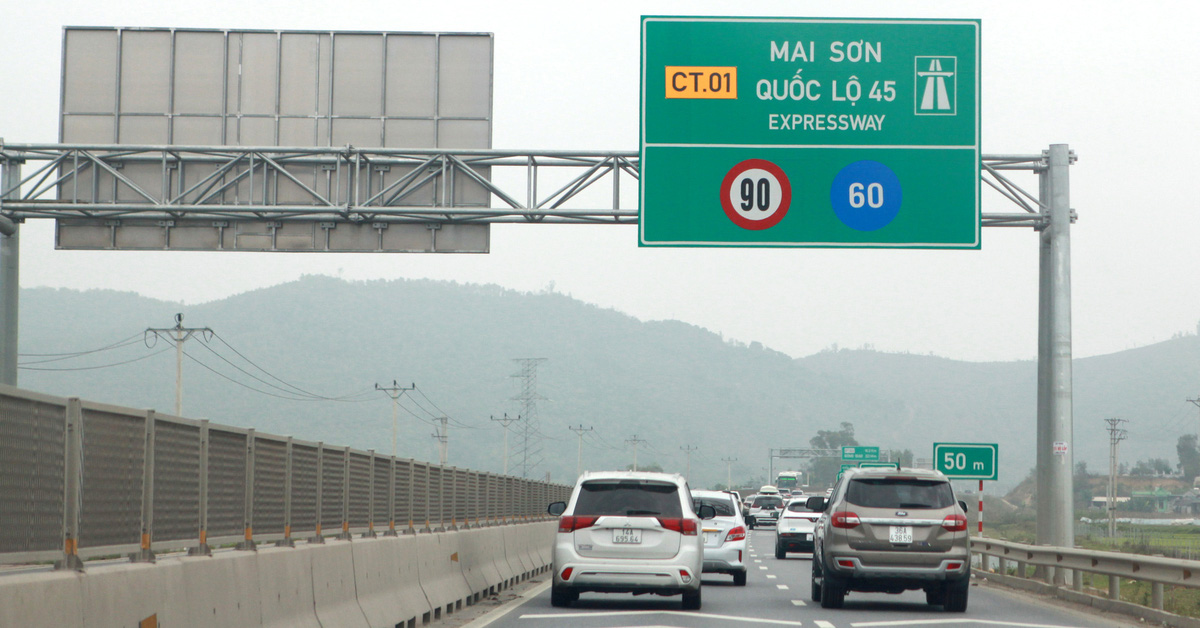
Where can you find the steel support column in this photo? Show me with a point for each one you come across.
(1055, 414)
(10, 276)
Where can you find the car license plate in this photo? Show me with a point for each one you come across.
(712, 538)
(901, 534)
(627, 536)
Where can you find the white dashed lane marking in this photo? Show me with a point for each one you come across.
(781, 587)
(797, 602)
(771, 577)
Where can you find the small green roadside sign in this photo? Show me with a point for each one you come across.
(967, 461)
(860, 453)
(810, 132)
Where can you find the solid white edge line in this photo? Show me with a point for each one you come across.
(745, 620)
(509, 606)
(981, 622)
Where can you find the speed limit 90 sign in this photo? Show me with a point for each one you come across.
(756, 194)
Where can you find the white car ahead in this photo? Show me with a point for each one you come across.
(724, 535)
(794, 532)
(628, 532)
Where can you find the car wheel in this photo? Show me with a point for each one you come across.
(816, 573)
(561, 596)
(956, 596)
(750, 523)
(780, 553)
(739, 578)
(833, 593)
(691, 600)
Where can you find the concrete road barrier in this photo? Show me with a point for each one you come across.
(438, 564)
(285, 587)
(42, 600)
(334, 595)
(479, 550)
(219, 590)
(385, 576)
(125, 594)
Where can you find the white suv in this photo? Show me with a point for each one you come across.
(628, 532)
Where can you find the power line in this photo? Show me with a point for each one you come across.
(91, 368)
(56, 357)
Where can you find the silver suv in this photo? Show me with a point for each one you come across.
(888, 530)
(628, 532)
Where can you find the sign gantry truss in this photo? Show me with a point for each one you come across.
(361, 185)
(313, 184)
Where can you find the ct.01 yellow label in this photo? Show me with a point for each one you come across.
(701, 82)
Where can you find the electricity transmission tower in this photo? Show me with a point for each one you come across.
(395, 391)
(442, 436)
(1115, 436)
(531, 439)
(579, 430)
(179, 335)
(687, 452)
(634, 441)
(505, 422)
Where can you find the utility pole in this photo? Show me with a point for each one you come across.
(395, 391)
(179, 335)
(687, 452)
(579, 430)
(1115, 436)
(1195, 402)
(443, 438)
(729, 471)
(505, 422)
(634, 441)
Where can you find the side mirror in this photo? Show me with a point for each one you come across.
(557, 508)
(815, 504)
(706, 511)
(963, 505)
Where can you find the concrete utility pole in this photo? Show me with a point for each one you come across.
(687, 452)
(395, 391)
(505, 422)
(443, 438)
(580, 431)
(1115, 436)
(179, 335)
(729, 471)
(634, 441)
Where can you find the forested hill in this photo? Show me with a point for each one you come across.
(670, 384)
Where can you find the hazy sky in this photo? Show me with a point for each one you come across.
(1116, 83)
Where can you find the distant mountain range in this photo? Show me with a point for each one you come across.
(667, 383)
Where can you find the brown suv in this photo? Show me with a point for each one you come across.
(887, 531)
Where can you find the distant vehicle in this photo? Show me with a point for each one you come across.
(794, 531)
(887, 531)
(764, 510)
(790, 480)
(628, 532)
(724, 535)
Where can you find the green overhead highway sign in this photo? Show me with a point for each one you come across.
(860, 453)
(768, 132)
(967, 461)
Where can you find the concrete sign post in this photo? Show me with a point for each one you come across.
(767, 132)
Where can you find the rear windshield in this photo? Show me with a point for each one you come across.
(723, 505)
(629, 498)
(899, 493)
(799, 507)
(763, 501)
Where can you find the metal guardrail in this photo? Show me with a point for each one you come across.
(80, 479)
(1075, 562)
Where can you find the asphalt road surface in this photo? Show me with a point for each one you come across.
(777, 593)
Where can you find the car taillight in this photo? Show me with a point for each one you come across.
(684, 526)
(846, 519)
(955, 523)
(736, 534)
(566, 574)
(568, 523)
